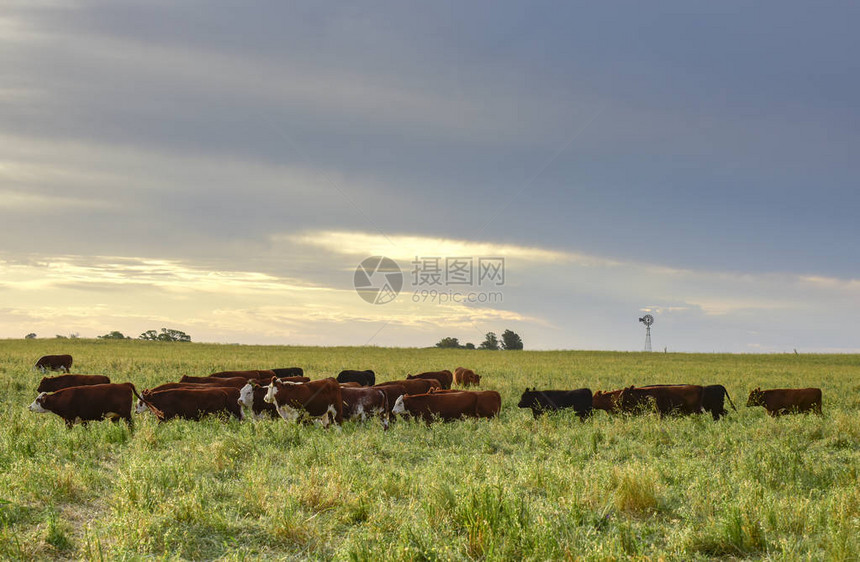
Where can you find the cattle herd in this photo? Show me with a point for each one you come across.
(355, 395)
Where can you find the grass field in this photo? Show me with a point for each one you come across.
(747, 487)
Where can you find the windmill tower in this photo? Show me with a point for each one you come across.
(647, 320)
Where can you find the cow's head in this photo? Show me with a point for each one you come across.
(38, 404)
(246, 395)
(602, 401)
(627, 398)
(528, 399)
(756, 397)
(269, 398)
(399, 407)
(141, 407)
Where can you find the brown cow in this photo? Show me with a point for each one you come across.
(252, 396)
(350, 384)
(53, 384)
(54, 363)
(607, 401)
(392, 392)
(680, 399)
(89, 403)
(359, 403)
(445, 378)
(191, 403)
(466, 377)
(236, 382)
(414, 386)
(319, 399)
(779, 401)
(489, 401)
(447, 406)
(252, 374)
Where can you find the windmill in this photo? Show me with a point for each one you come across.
(647, 320)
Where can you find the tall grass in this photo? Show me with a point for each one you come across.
(747, 487)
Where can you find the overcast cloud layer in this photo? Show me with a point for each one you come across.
(222, 168)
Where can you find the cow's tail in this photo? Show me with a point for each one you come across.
(158, 413)
(730, 399)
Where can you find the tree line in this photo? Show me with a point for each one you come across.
(510, 341)
(166, 334)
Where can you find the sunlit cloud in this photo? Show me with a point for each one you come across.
(37, 204)
(408, 247)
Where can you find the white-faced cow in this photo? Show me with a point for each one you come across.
(253, 397)
(88, 403)
(316, 399)
(449, 405)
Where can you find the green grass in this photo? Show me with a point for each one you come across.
(611, 488)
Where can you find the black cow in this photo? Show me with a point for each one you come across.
(712, 400)
(541, 401)
(289, 372)
(364, 378)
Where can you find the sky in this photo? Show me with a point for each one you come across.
(223, 168)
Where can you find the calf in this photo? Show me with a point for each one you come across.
(541, 401)
(445, 378)
(414, 386)
(319, 399)
(779, 401)
(466, 377)
(53, 384)
(681, 399)
(54, 363)
(364, 378)
(191, 403)
(89, 403)
(358, 403)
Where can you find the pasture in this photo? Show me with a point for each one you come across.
(610, 488)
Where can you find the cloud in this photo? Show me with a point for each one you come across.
(408, 247)
(36, 204)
